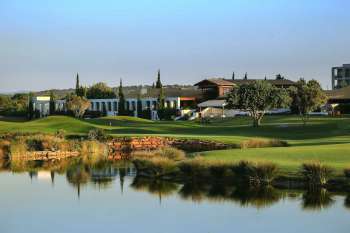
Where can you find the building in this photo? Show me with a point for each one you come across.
(41, 104)
(180, 99)
(341, 76)
(219, 87)
(339, 96)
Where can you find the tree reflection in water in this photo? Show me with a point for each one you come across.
(157, 187)
(102, 173)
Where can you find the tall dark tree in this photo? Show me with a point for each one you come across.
(279, 77)
(233, 75)
(52, 103)
(158, 83)
(246, 76)
(161, 99)
(139, 105)
(121, 103)
(30, 106)
(77, 85)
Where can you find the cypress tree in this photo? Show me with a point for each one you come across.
(158, 83)
(233, 75)
(52, 103)
(121, 103)
(246, 76)
(77, 85)
(30, 107)
(161, 99)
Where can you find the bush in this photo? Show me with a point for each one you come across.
(219, 169)
(167, 113)
(97, 134)
(316, 173)
(60, 133)
(347, 172)
(166, 152)
(4, 149)
(260, 143)
(145, 114)
(156, 167)
(255, 173)
(343, 108)
(196, 167)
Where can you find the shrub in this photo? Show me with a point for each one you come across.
(4, 148)
(260, 143)
(219, 169)
(156, 167)
(316, 173)
(93, 148)
(167, 113)
(255, 173)
(60, 133)
(347, 172)
(97, 134)
(166, 152)
(196, 167)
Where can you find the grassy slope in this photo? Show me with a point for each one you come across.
(324, 138)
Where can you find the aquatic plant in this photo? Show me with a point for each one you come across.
(316, 173)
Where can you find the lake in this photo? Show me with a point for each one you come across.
(108, 197)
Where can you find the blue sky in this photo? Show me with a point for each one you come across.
(44, 43)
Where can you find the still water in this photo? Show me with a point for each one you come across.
(108, 197)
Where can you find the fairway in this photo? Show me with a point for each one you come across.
(325, 139)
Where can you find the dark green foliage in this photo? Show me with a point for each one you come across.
(315, 173)
(30, 107)
(159, 83)
(121, 103)
(167, 113)
(343, 108)
(52, 103)
(97, 134)
(145, 114)
(306, 97)
(161, 99)
(255, 174)
(257, 97)
(347, 172)
(279, 77)
(100, 91)
(77, 85)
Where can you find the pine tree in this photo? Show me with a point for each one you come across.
(52, 103)
(246, 76)
(77, 85)
(121, 103)
(158, 83)
(233, 75)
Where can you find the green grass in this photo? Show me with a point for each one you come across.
(289, 159)
(325, 139)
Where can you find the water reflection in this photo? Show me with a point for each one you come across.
(102, 174)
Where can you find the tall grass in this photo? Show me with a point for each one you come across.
(255, 173)
(156, 167)
(260, 143)
(316, 173)
(165, 152)
(4, 149)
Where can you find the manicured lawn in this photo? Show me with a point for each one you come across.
(324, 139)
(291, 158)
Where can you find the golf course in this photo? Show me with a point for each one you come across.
(323, 139)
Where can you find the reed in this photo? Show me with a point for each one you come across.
(316, 173)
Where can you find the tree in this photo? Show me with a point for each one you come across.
(161, 99)
(233, 75)
(77, 86)
(279, 77)
(307, 97)
(52, 103)
(158, 83)
(121, 103)
(257, 97)
(78, 105)
(100, 91)
(246, 76)
(30, 106)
